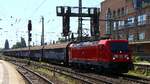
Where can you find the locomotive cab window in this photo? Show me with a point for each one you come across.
(117, 47)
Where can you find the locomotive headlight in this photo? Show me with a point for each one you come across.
(114, 58)
(127, 57)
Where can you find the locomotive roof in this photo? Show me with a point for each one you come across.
(84, 44)
(110, 40)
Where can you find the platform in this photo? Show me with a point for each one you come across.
(9, 74)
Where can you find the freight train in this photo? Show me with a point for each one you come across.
(108, 55)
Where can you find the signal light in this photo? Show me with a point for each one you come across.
(30, 39)
(29, 25)
(30, 36)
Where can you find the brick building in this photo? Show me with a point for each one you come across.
(128, 21)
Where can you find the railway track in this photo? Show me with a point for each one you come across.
(87, 79)
(73, 74)
(68, 72)
(93, 78)
(135, 80)
(32, 77)
(98, 78)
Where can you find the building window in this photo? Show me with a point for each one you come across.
(142, 19)
(115, 25)
(131, 37)
(121, 35)
(122, 11)
(130, 21)
(118, 12)
(114, 13)
(142, 36)
(121, 24)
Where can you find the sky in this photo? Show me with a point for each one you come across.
(14, 16)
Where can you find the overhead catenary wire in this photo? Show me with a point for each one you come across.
(38, 7)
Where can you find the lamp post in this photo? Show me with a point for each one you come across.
(42, 36)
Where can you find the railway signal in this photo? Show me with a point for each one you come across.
(66, 12)
(29, 30)
(95, 23)
(29, 37)
(66, 25)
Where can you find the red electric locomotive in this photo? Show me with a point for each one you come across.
(110, 55)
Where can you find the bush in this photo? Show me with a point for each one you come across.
(136, 59)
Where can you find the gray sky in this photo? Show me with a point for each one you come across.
(14, 15)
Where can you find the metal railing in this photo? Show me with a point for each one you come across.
(136, 27)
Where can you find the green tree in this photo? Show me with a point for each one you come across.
(61, 40)
(23, 43)
(17, 45)
(6, 44)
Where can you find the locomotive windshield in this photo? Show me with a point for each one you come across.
(118, 46)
